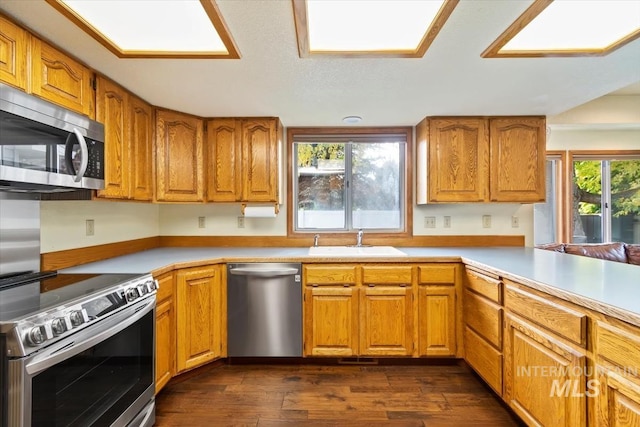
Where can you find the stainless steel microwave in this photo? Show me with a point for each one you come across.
(46, 148)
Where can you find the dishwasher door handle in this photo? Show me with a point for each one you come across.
(263, 272)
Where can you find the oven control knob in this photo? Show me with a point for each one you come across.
(78, 317)
(58, 326)
(131, 294)
(151, 284)
(36, 335)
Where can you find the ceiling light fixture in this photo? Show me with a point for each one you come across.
(352, 120)
(140, 28)
(569, 28)
(378, 28)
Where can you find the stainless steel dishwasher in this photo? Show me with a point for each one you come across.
(264, 310)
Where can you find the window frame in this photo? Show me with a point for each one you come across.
(338, 237)
(598, 155)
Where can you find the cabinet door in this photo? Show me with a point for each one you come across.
(437, 321)
(618, 399)
(179, 158)
(260, 160)
(330, 321)
(141, 149)
(544, 378)
(60, 79)
(386, 321)
(224, 179)
(165, 332)
(458, 160)
(198, 302)
(13, 54)
(164, 343)
(518, 159)
(112, 108)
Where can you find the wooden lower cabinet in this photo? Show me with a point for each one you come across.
(483, 326)
(617, 349)
(165, 331)
(618, 398)
(199, 316)
(358, 310)
(437, 321)
(386, 321)
(544, 380)
(165, 344)
(330, 321)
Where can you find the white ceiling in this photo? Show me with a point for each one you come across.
(271, 80)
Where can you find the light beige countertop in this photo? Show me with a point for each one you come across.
(605, 286)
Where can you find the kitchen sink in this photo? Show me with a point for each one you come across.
(364, 251)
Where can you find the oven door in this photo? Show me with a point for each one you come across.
(101, 376)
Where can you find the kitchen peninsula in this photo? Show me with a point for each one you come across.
(504, 310)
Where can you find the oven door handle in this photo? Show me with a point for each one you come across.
(89, 337)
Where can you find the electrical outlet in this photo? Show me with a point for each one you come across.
(486, 221)
(240, 222)
(515, 222)
(90, 227)
(429, 222)
(201, 222)
(447, 222)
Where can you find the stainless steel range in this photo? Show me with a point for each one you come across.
(80, 355)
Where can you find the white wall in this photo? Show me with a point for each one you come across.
(593, 139)
(220, 220)
(62, 223)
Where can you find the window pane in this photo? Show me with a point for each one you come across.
(587, 201)
(376, 186)
(544, 214)
(321, 186)
(625, 201)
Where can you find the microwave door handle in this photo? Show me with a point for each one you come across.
(84, 155)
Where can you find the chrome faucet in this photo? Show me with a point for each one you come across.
(359, 238)
(315, 240)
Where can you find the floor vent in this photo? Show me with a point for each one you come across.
(357, 361)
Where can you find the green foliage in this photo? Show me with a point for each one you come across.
(625, 186)
(308, 154)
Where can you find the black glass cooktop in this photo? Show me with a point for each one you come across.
(25, 299)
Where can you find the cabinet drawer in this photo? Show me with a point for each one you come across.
(618, 346)
(165, 287)
(560, 320)
(330, 274)
(484, 317)
(444, 274)
(485, 285)
(484, 359)
(387, 274)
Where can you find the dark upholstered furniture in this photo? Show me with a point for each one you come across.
(619, 252)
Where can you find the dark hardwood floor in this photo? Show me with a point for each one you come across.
(337, 395)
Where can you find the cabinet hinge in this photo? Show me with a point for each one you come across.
(94, 84)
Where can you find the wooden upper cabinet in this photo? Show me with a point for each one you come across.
(179, 157)
(480, 159)
(260, 140)
(14, 47)
(518, 159)
(243, 159)
(141, 149)
(224, 179)
(58, 78)
(112, 104)
(128, 125)
(455, 153)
